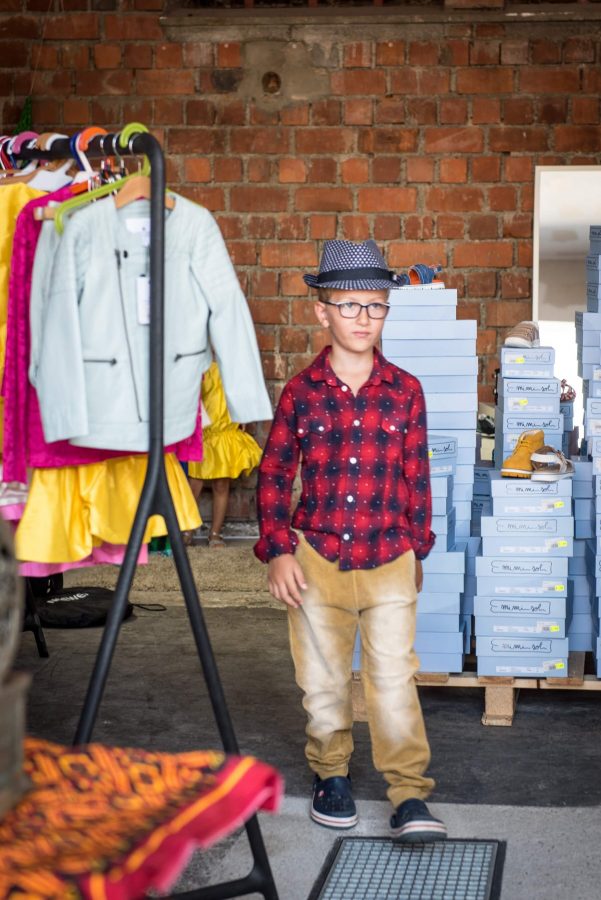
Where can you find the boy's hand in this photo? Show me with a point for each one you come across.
(419, 575)
(285, 580)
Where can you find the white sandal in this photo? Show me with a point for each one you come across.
(549, 464)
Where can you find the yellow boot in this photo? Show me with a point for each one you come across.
(518, 465)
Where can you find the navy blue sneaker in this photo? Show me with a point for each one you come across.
(332, 804)
(413, 823)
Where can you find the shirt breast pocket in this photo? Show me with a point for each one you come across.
(315, 434)
(392, 434)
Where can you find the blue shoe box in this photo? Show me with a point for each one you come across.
(520, 626)
(584, 510)
(426, 331)
(441, 603)
(441, 486)
(482, 478)
(447, 624)
(466, 456)
(441, 505)
(584, 530)
(533, 505)
(582, 623)
(453, 563)
(589, 355)
(463, 508)
(467, 633)
(577, 565)
(401, 313)
(582, 490)
(534, 405)
(435, 365)
(526, 363)
(459, 403)
(527, 545)
(441, 421)
(525, 387)
(522, 586)
(501, 568)
(449, 384)
(533, 646)
(444, 524)
(464, 475)
(464, 438)
(441, 662)
(445, 542)
(463, 529)
(438, 582)
(529, 607)
(438, 642)
(420, 296)
(518, 526)
(516, 423)
(443, 349)
(505, 443)
(441, 449)
(523, 667)
(463, 493)
(523, 487)
(582, 643)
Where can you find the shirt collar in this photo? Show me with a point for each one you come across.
(321, 370)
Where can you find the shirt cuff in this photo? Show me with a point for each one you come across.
(422, 547)
(276, 543)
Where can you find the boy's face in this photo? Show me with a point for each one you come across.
(354, 335)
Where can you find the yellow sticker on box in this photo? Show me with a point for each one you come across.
(559, 504)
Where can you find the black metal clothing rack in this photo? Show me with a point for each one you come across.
(156, 499)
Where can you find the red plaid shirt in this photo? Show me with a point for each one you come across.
(365, 473)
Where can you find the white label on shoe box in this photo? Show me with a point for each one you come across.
(524, 487)
(535, 505)
(527, 525)
(521, 387)
(517, 423)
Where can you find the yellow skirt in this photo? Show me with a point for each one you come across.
(73, 509)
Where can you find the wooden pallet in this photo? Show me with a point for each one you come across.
(500, 693)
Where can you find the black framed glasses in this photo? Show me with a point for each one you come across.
(351, 309)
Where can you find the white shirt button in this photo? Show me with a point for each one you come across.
(393, 427)
(350, 498)
(346, 537)
(301, 430)
(353, 460)
(320, 428)
(356, 421)
(344, 388)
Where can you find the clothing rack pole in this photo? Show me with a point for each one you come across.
(156, 499)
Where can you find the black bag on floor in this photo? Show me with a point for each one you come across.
(77, 607)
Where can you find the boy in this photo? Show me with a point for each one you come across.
(361, 527)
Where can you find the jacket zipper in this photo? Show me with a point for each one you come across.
(179, 356)
(131, 359)
(108, 362)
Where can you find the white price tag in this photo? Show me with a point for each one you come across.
(140, 227)
(143, 297)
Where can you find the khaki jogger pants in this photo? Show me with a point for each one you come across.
(382, 603)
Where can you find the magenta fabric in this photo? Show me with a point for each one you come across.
(105, 554)
(23, 439)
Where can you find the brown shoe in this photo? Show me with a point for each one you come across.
(518, 465)
(523, 335)
(549, 464)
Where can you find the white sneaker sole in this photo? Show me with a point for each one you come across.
(416, 832)
(551, 476)
(333, 821)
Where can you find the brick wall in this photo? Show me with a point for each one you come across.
(422, 135)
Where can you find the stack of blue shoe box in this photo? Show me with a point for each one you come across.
(522, 608)
(581, 631)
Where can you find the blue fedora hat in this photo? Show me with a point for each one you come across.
(346, 265)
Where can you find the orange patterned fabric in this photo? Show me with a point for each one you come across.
(107, 823)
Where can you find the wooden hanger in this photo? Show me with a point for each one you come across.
(138, 187)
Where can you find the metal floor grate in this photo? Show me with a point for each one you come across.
(379, 869)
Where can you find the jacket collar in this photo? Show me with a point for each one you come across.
(321, 370)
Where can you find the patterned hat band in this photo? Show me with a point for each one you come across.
(355, 275)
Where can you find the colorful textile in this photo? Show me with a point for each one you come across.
(228, 451)
(365, 472)
(105, 823)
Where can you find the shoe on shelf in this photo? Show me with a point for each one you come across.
(332, 804)
(525, 334)
(413, 823)
(518, 465)
(549, 464)
(568, 393)
(420, 273)
(486, 424)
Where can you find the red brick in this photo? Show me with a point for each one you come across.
(243, 253)
(44, 57)
(388, 111)
(502, 197)
(405, 253)
(486, 168)
(403, 81)
(583, 138)
(386, 169)
(382, 199)
(133, 28)
(579, 50)
(483, 228)
(488, 254)
(289, 255)
(113, 81)
(482, 284)
(524, 254)
(295, 115)
(292, 228)
(292, 170)
(322, 170)
(197, 54)
(274, 366)
(486, 342)
(449, 227)
(269, 312)
(488, 30)
(564, 80)
(515, 285)
(107, 56)
(138, 56)
(293, 284)
(527, 197)
(453, 171)
(387, 228)
(265, 283)
(418, 228)
(390, 53)
(519, 168)
(319, 339)
(453, 111)
(230, 112)
(358, 112)
(75, 56)
(388, 140)
(518, 225)
(514, 53)
(517, 140)
(168, 56)
(423, 53)
(354, 171)
(454, 140)
(455, 53)
(326, 112)
(265, 337)
(585, 110)
(485, 81)
(324, 140)
(260, 140)
(361, 82)
(433, 82)
(75, 26)
(330, 199)
(260, 116)
(228, 169)
(322, 227)
(460, 199)
(485, 53)
(198, 141)
(212, 198)
(229, 56)
(486, 110)
(467, 310)
(420, 169)
(14, 27)
(355, 228)
(421, 111)
(504, 315)
(262, 228)
(357, 55)
(14, 55)
(136, 110)
(199, 112)
(255, 199)
(164, 81)
(518, 111)
(230, 226)
(76, 112)
(553, 110)
(259, 169)
(197, 169)
(293, 340)
(545, 52)
(46, 112)
(302, 312)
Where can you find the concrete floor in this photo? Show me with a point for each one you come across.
(535, 785)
